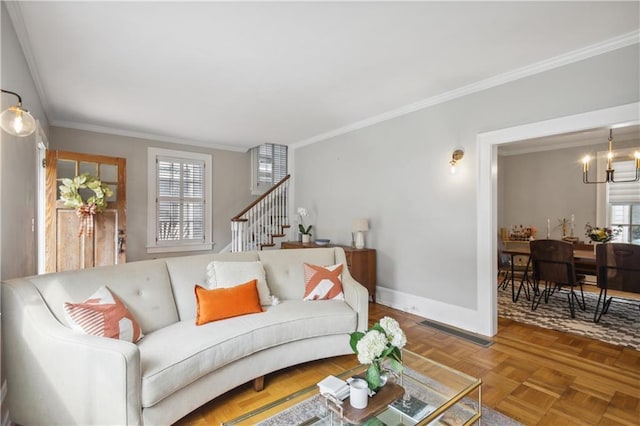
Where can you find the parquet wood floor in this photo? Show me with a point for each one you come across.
(535, 375)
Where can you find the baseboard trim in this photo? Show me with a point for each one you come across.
(461, 334)
(455, 316)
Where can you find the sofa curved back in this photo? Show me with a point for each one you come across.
(160, 292)
(145, 287)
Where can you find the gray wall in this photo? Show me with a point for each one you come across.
(548, 184)
(231, 175)
(17, 163)
(396, 173)
(17, 170)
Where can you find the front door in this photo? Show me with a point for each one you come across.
(69, 242)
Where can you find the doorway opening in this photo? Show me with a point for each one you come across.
(487, 194)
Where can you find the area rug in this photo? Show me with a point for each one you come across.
(306, 412)
(619, 326)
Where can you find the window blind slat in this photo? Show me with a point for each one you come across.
(271, 164)
(624, 193)
(181, 196)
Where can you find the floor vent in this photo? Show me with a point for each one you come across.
(470, 337)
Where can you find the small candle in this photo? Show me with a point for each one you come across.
(572, 221)
(548, 228)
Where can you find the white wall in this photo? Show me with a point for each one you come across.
(423, 219)
(230, 182)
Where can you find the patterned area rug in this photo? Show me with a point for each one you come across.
(619, 326)
(307, 412)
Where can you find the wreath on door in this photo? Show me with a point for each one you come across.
(85, 209)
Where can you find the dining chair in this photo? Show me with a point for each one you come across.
(510, 272)
(552, 262)
(617, 268)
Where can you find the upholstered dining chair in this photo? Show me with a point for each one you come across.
(552, 262)
(617, 268)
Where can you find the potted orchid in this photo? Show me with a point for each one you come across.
(384, 340)
(305, 232)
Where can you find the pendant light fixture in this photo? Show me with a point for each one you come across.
(16, 120)
(610, 178)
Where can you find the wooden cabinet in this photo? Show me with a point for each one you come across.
(361, 263)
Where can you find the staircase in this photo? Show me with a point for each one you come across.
(265, 219)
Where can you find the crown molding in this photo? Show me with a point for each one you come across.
(15, 14)
(577, 55)
(147, 136)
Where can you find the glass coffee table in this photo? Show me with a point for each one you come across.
(437, 393)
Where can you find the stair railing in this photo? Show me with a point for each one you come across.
(266, 218)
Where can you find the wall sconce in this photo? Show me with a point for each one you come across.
(359, 226)
(457, 156)
(16, 120)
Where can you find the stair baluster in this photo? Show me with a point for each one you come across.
(263, 220)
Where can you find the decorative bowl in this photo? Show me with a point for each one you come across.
(322, 241)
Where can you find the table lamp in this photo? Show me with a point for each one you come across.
(359, 226)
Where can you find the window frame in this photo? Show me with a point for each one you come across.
(604, 207)
(155, 246)
(256, 187)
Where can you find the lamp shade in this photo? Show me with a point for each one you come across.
(17, 121)
(360, 225)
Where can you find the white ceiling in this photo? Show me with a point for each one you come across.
(237, 74)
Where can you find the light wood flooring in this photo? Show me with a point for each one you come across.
(535, 375)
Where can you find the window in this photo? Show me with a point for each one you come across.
(179, 207)
(623, 200)
(626, 216)
(268, 166)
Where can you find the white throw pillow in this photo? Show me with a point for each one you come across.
(222, 274)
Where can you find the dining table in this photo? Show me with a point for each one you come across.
(584, 259)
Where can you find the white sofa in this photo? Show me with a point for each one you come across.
(59, 376)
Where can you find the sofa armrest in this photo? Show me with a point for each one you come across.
(58, 376)
(355, 294)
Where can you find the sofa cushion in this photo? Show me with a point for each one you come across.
(103, 314)
(199, 350)
(186, 271)
(222, 274)
(285, 273)
(220, 303)
(323, 282)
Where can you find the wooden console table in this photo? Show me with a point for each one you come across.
(361, 262)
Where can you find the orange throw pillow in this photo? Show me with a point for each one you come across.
(221, 303)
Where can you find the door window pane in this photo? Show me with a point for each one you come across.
(91, 168)
(109, 173)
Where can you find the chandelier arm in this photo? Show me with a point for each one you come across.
(637, 178)
(585, 179)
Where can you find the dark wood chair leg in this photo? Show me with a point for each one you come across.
(258, 383)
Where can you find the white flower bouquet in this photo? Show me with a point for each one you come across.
(384, 340)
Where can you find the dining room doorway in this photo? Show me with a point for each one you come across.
(487, 194)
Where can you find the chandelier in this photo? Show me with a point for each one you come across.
(610, 178)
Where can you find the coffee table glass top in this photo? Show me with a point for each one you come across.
(452, 397)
